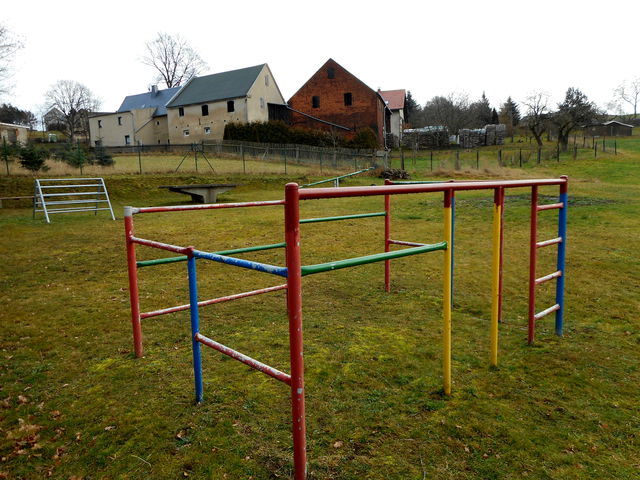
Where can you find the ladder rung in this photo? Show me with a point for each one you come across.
(546, 278)
(546, 243)
(551, 206)
(546, 312)
(73, 209)
(72, 186)
(71, 202)
(71, 194)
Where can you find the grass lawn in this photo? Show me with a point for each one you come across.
(75, 403)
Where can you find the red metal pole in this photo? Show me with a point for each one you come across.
(532, 265)
(294, 308)
(501, 253)
(387, 236)
(133, 282)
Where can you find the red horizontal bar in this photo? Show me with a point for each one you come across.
(546, 278)
(203, 303)
(209, 206)
(546, 243)
(241, 357)
(409, 244)
(546, 312)
(339, 192)
(160, 245)
(550, 206)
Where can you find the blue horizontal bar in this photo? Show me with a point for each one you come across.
(238, 262)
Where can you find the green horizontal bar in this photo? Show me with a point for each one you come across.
(377, 257)
(343, 217)
(159, 261)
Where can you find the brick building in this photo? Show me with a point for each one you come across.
(335, 100)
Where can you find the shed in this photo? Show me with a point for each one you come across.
(613, 128)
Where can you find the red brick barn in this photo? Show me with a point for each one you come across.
(335, 100)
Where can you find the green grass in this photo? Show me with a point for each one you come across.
(75, 402)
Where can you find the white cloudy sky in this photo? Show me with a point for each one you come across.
(430, 48)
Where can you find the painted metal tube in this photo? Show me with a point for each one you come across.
(551, 206)
(296, 347)
(247, 360)
(160, 245)
(212, 301)
(239, 262)
(365, 191)
(160, 261)
(547, 243)
(562, 253)
(376, 257)
(501, 282)
(387, 239)
(495, 273)
(134, 297)
(408, 244)
(446, 301)
(453, 239)
(208, 206)
(546, 278)
(342, 217)
(195, 327)
(337, 179)
(531, 326)
(547, 311)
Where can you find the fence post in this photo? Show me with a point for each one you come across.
(500, 157)
(520, 155)
(604, 145)
(539, 154)
(431, 159)
(615, 147)
(402, 159)
(244, 166)
(139, 159)
(457, 165)
(575, 152)
(558, 152)
(478, 159)
(595, 150)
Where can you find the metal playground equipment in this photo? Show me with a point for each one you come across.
(295, 270)
(68, 195)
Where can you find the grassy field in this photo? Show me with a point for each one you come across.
(75, 403)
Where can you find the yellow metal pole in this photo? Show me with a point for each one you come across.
(495, 275)
(446, 329)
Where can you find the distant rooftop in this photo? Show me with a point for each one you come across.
(394, 98)
(152, 99)
(218, 86)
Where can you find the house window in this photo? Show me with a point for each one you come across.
(205, 110)
(99, 123)
(315, 101)
(231, 106)
(185, 133)
(207, 130)
(261, 102)
(348, 99)
(181, 111)
(158, 122)
(266, 80)
(127, 139)
(119, 120)
(331, 72)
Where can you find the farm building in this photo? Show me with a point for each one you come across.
(141, 119)
(202, 108)
(335, 100)
(11, 133)
(612, 128)
(395, 100)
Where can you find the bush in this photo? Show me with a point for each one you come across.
(75, 157)
(102, 158)
(33, 158)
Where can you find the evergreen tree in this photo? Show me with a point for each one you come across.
(511, 109)
(481, 112)
(412, 110)
(494, 117)
(33, 158)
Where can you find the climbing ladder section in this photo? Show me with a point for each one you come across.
(68, 195)
(559, 275)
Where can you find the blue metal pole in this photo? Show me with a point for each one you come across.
(195, 327)
(562, 249)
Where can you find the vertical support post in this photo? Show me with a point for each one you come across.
(244, 165)
(446, 301)
(133, 282)
(453, 241)
(500, 289)
(562, 249)
(195, 325)
(294, 308)
(387, 237)
(498, 202)
(532, 265)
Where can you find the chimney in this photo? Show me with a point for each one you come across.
(154, 90)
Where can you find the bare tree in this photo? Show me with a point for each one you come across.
(452, 111)
(537, 116)
(74, 101)
(575, 111)
(629, 92)
(9, 45)
(175, 61)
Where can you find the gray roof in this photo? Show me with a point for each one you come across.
(219, 86)
(157, 99)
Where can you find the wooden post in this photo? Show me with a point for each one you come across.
(431, 159)
(478, 159)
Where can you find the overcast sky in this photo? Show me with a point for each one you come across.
(430, 48)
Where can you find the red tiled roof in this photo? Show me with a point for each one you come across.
(394, 98)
